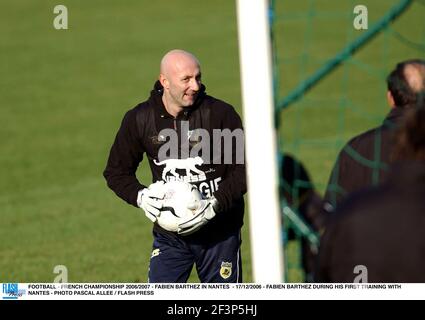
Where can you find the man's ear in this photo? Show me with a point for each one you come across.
(163, 80)
(390, 99)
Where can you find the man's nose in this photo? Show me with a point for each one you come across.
(194, 84)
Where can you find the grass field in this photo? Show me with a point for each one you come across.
(63, 94)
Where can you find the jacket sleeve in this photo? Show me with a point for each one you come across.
(233, 186)
(124, 158)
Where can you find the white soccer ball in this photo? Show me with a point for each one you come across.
(178, 195)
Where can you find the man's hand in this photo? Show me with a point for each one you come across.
(151, 200)
(203, 213)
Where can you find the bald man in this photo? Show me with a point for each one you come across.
(365, 158)
(178, 107)
(180, 76)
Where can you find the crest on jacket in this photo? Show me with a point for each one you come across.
(226, 270)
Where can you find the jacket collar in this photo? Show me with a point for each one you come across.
(395, 116)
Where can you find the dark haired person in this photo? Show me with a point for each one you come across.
(376, 234)
(364, 159)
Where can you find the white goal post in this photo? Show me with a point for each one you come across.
(261, 147)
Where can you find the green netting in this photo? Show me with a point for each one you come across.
(329, 84)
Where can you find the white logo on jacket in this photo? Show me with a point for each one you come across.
(189, 165)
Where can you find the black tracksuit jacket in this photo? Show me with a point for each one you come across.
(138, 136)
(364, 160)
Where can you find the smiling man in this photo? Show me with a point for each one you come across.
(180, 76)
(179, 103)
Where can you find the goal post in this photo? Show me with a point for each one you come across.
(261, 145)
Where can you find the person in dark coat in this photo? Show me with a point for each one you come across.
(365, 158)
(377, 234)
